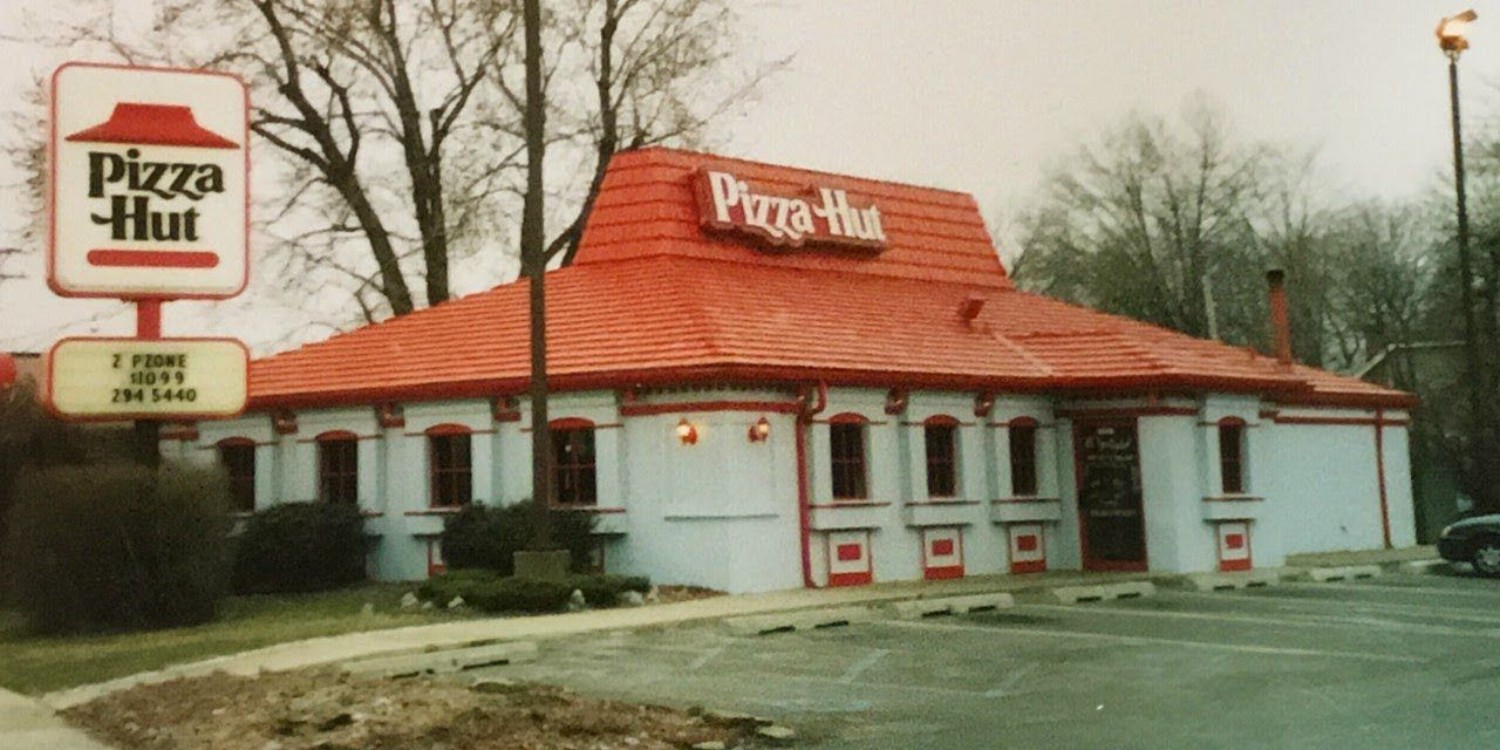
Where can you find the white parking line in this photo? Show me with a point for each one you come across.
(1344, 605)
(1414, 590)
(1010, 682)
(707, 657)
(858, 668)
(1306, 621)
(1150, 641)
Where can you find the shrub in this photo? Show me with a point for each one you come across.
(605, 590)
(116, 546)
(298, 547)
(482, 536)
(488, 591)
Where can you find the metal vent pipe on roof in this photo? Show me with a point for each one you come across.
(1281, 326)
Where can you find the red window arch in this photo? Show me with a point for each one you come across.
(237, 454)
(450, 464)
(940, 439)
(575, 475)
(1023, 474)
(846, 453)
(1232, 455)
(338, 467)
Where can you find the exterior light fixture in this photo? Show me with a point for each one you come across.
(760, 430)
(686, 432)
(1452, 32)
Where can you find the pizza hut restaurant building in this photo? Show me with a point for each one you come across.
(766, 378)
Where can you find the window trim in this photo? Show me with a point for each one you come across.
(1029, 460)
(557, 428)
(342, 438)
(845, 419)
(235, 482)
(435, 474)
(951, 424)
(1236, 458)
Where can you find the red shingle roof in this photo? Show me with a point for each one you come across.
(653, 300)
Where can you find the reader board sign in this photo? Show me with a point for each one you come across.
(118, 378)
(149, 183)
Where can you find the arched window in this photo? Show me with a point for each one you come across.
(1232, 455)
(575, 480)
(238, 457)
(846, 453)
(940, 436)
(338, 467)
(1023, 480)
(450, 466)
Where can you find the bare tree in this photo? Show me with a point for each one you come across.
(401, 127)
(1154, 222)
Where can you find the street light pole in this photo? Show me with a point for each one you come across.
(1453, 40)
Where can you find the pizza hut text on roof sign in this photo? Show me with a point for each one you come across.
(825, 216)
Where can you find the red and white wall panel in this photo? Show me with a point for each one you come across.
(1234, 545)
(942, 552)
(849, 559)
(1028, 548)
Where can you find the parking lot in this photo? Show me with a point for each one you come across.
(1398, 662)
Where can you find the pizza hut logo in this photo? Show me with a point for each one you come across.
(817, 215)
(150, 191)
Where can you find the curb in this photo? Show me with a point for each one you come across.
(1104, 592)
(1424, 567)
(443, 662)
(1344, 573)
(1234, 581)
(799, 620)
(952, 605)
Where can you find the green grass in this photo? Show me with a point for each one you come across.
(35, 665)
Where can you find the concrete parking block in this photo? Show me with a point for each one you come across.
(952, 605)
(1235, 581)
(800, 620)
(445, 662)
(1345, 573)
(1104, 592)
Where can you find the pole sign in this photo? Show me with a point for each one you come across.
(179, 379)
(149, 183)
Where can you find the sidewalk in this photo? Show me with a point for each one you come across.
(335, 649)
(29, 724)
(1381, 557)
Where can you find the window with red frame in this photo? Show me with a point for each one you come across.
(1232, 456)
(238, 458)
(942, 468)
(452, 469)
(575, 479)
(846, 445)
(1023, 459)
(338, 470)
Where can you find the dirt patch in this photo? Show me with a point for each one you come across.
(323, 709)
(673, 594)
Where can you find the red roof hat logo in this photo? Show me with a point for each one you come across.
(154, 125)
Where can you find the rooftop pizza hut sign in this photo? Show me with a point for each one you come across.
(149, 171)
(818, 215)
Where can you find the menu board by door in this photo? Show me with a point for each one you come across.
(1109, 496)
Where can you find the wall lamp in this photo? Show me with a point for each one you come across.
(687, 432)
(760, 430)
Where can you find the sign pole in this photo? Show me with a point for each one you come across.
(148, 431)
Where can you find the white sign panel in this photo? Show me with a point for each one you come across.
(99, 378)
(149, 183)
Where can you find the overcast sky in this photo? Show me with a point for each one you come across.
(982, 95)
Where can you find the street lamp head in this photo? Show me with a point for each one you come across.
(1453, 32)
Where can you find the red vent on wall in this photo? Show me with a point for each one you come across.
(1026, 543)
(942, 547)
(849, 552)
(1234, 541)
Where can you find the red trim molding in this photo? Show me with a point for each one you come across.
(648, 410)
(1343, 421)
(1385, 508)
(850, 504)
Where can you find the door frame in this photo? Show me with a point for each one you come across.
(1088, 563)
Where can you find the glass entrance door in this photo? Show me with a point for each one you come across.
(1113, 524)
